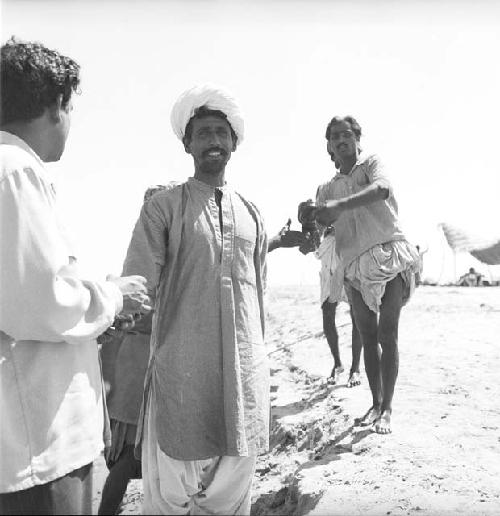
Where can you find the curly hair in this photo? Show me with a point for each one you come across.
(32, 77)
(203, 112)
(355, 127)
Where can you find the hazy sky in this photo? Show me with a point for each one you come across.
(422, 78)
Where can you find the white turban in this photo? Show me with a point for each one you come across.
(212, 97)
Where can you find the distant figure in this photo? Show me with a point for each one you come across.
(333, 290)
(471, 279)
(377, 261)
(331, 294)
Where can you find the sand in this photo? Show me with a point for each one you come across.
(443, 456)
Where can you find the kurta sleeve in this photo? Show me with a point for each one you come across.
(42, 296)
(147, 250)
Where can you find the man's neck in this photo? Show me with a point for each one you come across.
(30, 134)
(348, 163)
(211, 179)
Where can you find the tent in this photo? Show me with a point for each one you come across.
(453, 250)
(486, 250)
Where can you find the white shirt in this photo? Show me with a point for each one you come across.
(51, 402)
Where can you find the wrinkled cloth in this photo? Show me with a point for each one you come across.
(370, 272)
(51, 394)
(123, 434)
(331, 275)
(208, 362)
(216, 485)
(212, 97)
(360, 229)
(127, 379)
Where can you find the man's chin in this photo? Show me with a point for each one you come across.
(213, 168)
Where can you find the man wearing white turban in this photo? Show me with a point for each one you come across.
(202, 247)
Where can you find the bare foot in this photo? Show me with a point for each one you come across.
(383, 424)
(354, 379)
(369, 418)
(335, 375)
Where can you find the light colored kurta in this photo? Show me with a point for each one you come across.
(209, 363)
(359, 229)
(370, 242)
(51, 406)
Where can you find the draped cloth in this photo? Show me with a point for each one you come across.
(486, 250)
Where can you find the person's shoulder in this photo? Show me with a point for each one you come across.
(161, 191)
(370, 158)
(14, 159)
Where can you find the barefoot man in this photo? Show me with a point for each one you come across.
(203, 248)
(378, 263)
(334, 290)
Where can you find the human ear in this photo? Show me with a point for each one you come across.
(55, 109)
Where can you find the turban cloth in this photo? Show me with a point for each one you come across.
(212, 97)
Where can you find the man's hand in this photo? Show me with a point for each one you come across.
(135, 294)
(289, 237)
(286, 238)
(328, 213)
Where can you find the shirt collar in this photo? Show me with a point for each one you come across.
(200, 185)
(11, 139)
(361, 158)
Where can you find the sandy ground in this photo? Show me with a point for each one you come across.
(443, 456)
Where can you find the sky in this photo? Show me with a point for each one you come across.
(421, 77)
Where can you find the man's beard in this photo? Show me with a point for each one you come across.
(213, 166)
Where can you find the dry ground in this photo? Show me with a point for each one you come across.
(444, 453)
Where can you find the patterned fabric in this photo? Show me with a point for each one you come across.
(370, 272)
(208, 361)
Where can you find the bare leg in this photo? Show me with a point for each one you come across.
(390, 310)
(354, 376)
(332, 337)
(366, 322)
(116, 483)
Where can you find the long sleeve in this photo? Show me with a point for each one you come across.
(147, 250)
(42, 296)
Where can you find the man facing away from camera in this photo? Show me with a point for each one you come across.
(51, 402)
(203, 248)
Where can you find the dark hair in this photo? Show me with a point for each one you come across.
(32, 77)
(203, 112)
(355, 127)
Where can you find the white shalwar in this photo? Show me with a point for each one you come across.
(219, 485)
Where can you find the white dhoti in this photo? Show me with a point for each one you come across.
(218, 485)
(331, 275)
